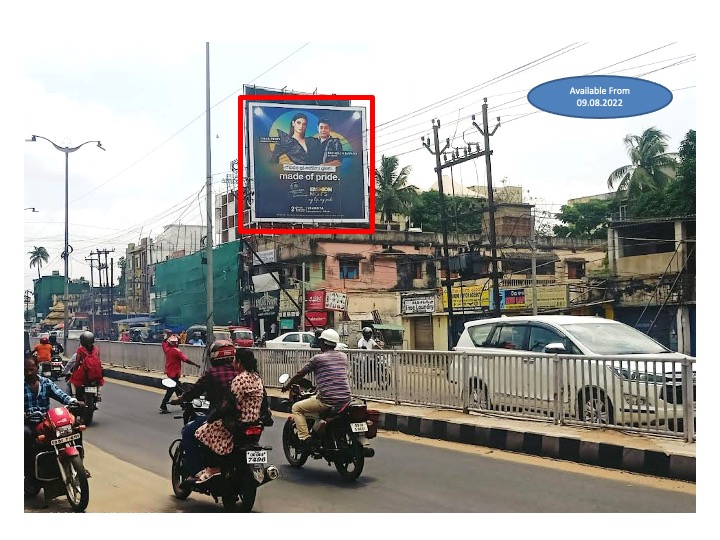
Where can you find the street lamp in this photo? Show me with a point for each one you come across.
(66, 255)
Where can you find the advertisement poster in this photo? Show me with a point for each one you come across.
(307, 163)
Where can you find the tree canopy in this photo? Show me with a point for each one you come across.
(393, 193)
(587, 220)
(463, 214)
(38, 257)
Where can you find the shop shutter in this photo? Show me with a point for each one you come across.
(423, 332)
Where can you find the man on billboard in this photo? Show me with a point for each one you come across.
(299, 149)
(330, 147)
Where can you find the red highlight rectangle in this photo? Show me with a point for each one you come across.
(371, 175)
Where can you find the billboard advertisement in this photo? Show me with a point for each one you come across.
(308, 164)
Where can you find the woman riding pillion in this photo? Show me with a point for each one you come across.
(246, 390)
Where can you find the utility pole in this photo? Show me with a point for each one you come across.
(533, 265)
(485, 131)
(443, 221)
(302, 299)
(209, 205)
(92, 293)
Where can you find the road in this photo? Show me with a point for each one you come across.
(128, 457)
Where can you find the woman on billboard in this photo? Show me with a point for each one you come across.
(299, 149)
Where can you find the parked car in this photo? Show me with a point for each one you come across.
(638, 383)
(242, 336)
(293, 340)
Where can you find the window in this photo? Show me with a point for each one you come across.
(509, 337)
(541, 337)
(575, 270)
(291, 338)
(479, 334)
(349, 269)
(307, 338)
(417, 269)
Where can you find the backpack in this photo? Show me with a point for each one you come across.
(93, 366)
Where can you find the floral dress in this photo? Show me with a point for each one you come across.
(248, 390)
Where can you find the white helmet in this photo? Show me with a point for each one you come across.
(330, 335)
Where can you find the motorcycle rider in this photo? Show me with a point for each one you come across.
(315, 344)
(367, 341)
(244, 403)
(56, 347)
(43, 350)
(173, 360)
(331, 376)
(86, 348)
(212, 383)
(38, 391)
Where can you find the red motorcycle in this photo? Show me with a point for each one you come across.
(58, 463)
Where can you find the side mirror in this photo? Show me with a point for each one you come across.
(168, 383)
(284, 378)
(554, 348)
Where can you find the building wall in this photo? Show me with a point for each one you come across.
(386, 303)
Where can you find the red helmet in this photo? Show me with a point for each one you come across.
(222, 351)
(173, 340)
(44, 339)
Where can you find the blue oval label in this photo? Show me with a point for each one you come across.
(599, 96)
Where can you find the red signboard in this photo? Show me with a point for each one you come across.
(315, 300)
(318, 318)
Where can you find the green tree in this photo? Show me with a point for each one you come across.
(677, 198)
(651, 166)
(463, 214)
(38, 257)
(393, 194)
(587, 220)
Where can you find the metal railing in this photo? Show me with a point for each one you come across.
(648, 396)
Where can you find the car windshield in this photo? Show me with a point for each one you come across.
(603, 338)
(243, 334)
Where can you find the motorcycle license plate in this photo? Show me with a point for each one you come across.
(256, 456)
(359, 427)
(91, 390)
(63, 440)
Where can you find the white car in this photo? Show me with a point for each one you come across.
(609, 372)
(294, 340)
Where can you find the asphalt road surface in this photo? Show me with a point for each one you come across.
(127, 454)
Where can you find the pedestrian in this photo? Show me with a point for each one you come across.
(174, 358)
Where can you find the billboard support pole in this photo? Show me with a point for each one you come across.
(210, 336)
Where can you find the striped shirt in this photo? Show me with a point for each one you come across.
(331, 377)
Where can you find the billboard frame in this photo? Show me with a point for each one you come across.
(244, 100)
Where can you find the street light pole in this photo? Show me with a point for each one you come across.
(66, 255)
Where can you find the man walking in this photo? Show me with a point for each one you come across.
(173, 360)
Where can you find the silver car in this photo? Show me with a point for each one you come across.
(606, 372)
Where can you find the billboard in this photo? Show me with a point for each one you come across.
(308, 164)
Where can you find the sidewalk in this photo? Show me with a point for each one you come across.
(655, 456)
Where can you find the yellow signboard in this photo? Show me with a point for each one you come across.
(476, 296)
(285, 303)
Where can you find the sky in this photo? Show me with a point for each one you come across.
(134, 79)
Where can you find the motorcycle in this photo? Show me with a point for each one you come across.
(56, 367)
(90, 394)
(339, 436)
(242, 471)
(58, 463)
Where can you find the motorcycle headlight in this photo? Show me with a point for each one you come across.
(63, 430)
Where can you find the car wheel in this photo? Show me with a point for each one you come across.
(595, 407)
(479, 395)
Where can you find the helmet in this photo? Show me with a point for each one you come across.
(87, 339)
(222, 351)
(53, 338)
(330, 336)
(44, 339)
(173, 340)
(367, 330)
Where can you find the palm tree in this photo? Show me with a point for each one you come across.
(392, 192)
(38, 256)
(651, 166)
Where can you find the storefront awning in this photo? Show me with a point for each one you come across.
(389, 326)
(360, 316)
